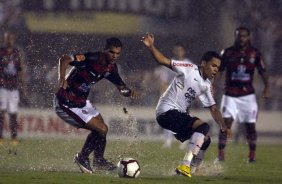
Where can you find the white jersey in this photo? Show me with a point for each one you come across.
(187, 85)
(165, 74)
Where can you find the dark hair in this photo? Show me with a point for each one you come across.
(209, 55)
(113, 42)
(179, 44)
(242, 28)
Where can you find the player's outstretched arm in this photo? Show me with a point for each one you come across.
(219, 120)
(148, 41)
(125, 91)
(64, 62)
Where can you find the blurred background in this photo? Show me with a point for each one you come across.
(47, 29)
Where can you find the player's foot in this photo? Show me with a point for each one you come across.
(1, 141)
(183, 170)
(15, 142)
(103, 164)
(251, 160)
(13, 148)
(220, 155)
(83, 164)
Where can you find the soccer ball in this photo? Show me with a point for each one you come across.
(128, 168)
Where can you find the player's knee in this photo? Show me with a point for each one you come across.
(203, 128)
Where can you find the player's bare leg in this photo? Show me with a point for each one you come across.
(1, 127)
(168, 135)
(198, 159)
(96, 141)
(97, 127)
(196, 141)
(14, 133)
(251, 136)
(222, 139)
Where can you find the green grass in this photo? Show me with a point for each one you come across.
(50, 161)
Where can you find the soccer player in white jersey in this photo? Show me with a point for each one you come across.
(165, 76)
(191, 82)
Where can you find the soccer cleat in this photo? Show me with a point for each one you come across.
(83, 164)
(1, 141)
(13, 149)
(103, 164)
(15, 142)
(252, 161)
(184, 170)
(221, 155)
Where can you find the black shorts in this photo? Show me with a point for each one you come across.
(178, 122)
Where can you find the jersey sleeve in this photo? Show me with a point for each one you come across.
(80, 60)
(223, 60)
(115, 78)
(260, 63)
(180, 66)
(207, 98)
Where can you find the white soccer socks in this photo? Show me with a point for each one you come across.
(195, 144)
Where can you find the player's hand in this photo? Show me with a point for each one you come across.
(227, 131)
(266, 92)
(134, 95)
(148, 39)
(63, 83)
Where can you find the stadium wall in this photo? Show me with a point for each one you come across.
(138, 121)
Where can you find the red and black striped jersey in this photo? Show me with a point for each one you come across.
(240, 67)
(87, 71)
(10, 66)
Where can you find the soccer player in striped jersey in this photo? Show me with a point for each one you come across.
(71, 102)
(12, 82)
(172, 111)
(239, 100)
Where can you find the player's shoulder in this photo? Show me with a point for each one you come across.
(85, 57)
(182, 63)
(92, 55)
(184, 67)
(227, 51)
(254, 50)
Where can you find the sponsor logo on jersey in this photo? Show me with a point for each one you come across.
(183, 64)
(190, 95)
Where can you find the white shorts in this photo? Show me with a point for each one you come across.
(9, 100)
(76, 117)
(243, 109)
